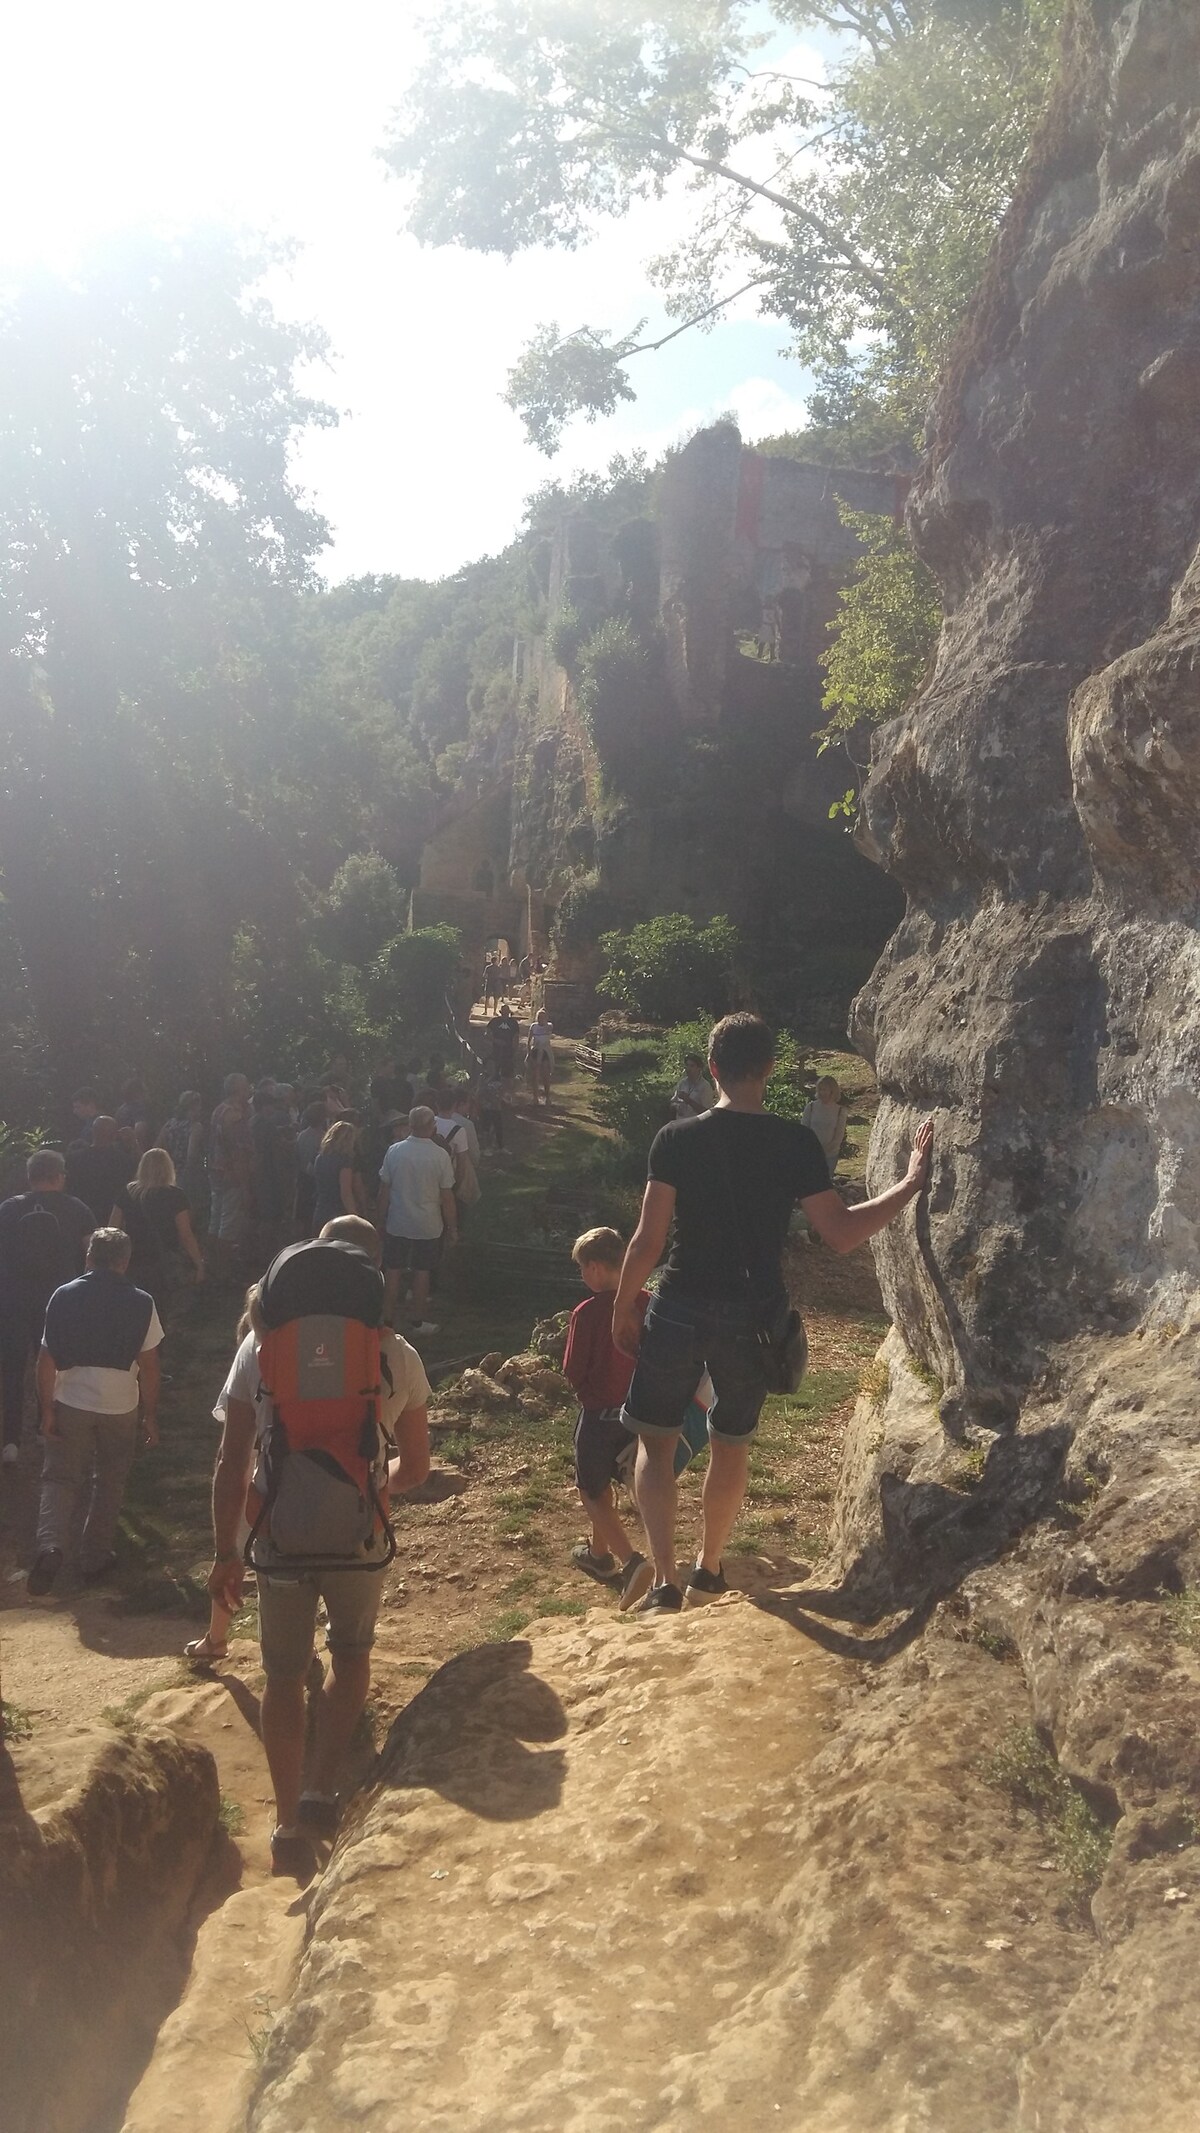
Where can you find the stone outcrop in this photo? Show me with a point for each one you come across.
(105, 1839)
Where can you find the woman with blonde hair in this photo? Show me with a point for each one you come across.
(154, 1213)
(335, 1175)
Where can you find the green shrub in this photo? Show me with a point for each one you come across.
(1023, 1767)
(670, 968)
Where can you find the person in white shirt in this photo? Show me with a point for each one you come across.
(693, 1091)
(416, 1212)
(98, 1361)
(539, 1057)
(826, 1116)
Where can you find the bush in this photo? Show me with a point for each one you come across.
(410, 981)
(615, 692)
(362, 910)
(670, 969)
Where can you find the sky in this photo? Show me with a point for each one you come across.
(267, 117)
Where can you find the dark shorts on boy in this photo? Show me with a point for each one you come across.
(682, 1337)
(600, 1440)
(418, 1255)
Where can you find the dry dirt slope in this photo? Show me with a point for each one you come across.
(680, 1876)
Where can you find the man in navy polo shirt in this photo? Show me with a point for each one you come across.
(99, 1357)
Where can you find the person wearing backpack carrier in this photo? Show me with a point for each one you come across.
(43, 1237)
(306, 1456)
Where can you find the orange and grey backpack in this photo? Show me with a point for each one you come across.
(317, 1499)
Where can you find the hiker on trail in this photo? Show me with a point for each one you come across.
(308, 1148)
(335, 1180)
(693, 1094)
(539, 1057)
(272, 1173)
(491, 984)
(505, 1035)
(85, 1106)
(600, 1375)
(98, 1359)
(98, 1167)
(491, 1108)
(417, 1214)
(825, 1115)
(153, 1212)
(184, 1138)
(43, 1237)
(729, 1182)
(456, 1131)
(229, 1169)
(315, 1535)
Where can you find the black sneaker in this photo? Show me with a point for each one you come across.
(101, 1572)
(703, 1585)
(44, 1572)
(319, 1813)
(661, 1600)
(292, 1854)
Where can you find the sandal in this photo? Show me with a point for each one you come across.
(203, 1652)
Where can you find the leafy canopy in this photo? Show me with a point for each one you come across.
(857, 208)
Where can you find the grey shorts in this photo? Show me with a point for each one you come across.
(287, 1617)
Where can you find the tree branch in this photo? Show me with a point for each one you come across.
(720, 303)
(833, 238)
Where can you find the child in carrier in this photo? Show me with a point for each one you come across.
(604, 1449)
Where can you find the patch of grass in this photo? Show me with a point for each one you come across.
(418, 1669)
(1023, 1767)
(507, 1624)
(1182, 1611)
(995, 1642)
(457, 1448)
(752, 1535)
(16, 1723)
(552, 1605)
(968, 1473)
(525, 1581)
(231, 1816)
(926, 1377)
(258, 2032)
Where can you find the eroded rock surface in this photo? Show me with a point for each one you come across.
(691, 1874)
(97, 1887)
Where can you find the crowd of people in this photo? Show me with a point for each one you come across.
(324, 1411)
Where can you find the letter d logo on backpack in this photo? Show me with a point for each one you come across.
(316, 1502)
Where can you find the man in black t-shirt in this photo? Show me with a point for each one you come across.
(43, 1237)
(729, 1182)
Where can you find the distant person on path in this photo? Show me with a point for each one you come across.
(599, 1375)
(417, 1214)
(505, 1035)
(455, 1128)
(491, 984)
(693, 1092)
(97, 1168)
(539, 1057)
(85, 1106)
(308, 1148)
(153, 1212)
(43, 1238)
(491, 1108)
(728, 1182)
(229, 1160)
(288, 1603)
(272, 1179)
(183, 1138)
(826, 1116)
(334, 1178)
(99, 1357)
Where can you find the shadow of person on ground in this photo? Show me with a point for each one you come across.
(929, 1539)
(464, 1736)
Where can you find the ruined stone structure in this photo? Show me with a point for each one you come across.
(719, 802)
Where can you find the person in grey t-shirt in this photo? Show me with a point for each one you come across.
(416, 1212)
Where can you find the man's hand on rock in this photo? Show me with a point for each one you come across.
(918, 1162)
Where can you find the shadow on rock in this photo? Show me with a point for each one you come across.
(922, 1540)
(464, 1736)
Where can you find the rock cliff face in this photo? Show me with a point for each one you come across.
(1038, 803)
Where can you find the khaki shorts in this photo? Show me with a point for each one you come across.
(287, 1617)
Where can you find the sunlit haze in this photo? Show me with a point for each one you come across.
(268, 118)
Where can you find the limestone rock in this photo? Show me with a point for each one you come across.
(96, 1888)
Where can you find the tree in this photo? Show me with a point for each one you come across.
(364, 909)
(857, 209)
(670, 969)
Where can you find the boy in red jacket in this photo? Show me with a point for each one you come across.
(600, 1375)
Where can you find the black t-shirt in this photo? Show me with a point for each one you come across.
(148, 1219)
(747, 1163)
(97, 1175)
(75, 1224)
(504, 1037)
